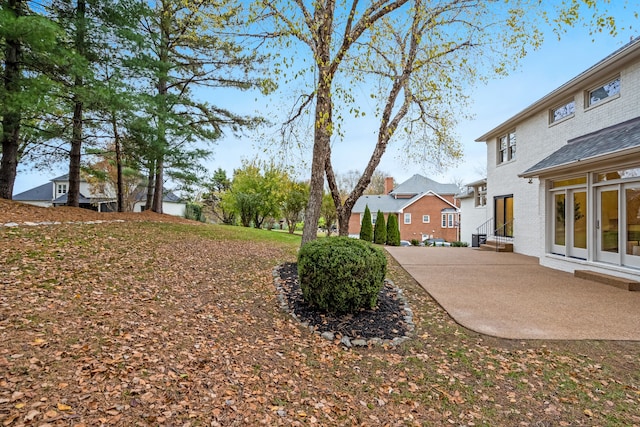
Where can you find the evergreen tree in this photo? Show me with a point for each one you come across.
(393, 234)
(380, 230)
(366, 230)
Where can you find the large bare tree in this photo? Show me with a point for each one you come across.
(418, 57)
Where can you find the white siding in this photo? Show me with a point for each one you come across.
(536, 139)
(471, 218)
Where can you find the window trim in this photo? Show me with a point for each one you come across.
(587, 93)
(448, 220)
(480, 196)
(557, 107)
(407, 215)
(510, 149)
(428, 217)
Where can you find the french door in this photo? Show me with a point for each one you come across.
(608, 225)
(503, 208)
(569, 231)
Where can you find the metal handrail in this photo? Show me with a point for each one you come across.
(485, 227)
(500, 234)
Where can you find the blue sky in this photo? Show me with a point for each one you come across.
(539, 73)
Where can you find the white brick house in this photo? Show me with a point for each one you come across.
(563, 175)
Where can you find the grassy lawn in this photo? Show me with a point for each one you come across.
(146, 323)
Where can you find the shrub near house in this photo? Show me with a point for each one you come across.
(341, 274)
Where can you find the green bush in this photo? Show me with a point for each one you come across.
(393, 233)
(380, 230)
(415, 242)
(341, 274)
(459, 244)
(194, 211)
(366, 229)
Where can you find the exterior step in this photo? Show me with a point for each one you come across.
(618, 282)
(494, 246)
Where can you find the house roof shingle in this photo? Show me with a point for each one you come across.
(420, 184)
(43, 192)
(619, 139)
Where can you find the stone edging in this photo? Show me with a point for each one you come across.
(346, 341)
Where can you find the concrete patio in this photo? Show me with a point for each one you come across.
(510, 295)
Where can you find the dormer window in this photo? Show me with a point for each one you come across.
(62, 189)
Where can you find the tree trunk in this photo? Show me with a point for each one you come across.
(323, 120)
(10, 119)
(151, 183)
(9, 163)
(73, 192)
(119, 183)
(157, 191)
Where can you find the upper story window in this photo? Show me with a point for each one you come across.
(62, 188)
(426, 219)
(563, 111)
(507, 147)
(607, 90)
(480, 195)
(407, 218)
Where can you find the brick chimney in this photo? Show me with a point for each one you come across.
(388, 184)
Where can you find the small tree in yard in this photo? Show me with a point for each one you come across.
(380, 230)
(393, 233)
(366, 229)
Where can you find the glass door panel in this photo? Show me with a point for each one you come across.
(632, 223)
(580, 219)
(503, 208)
(559, 224)
(558, 238)
(608, 226)
(578, 224)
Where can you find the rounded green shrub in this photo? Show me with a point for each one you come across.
(341, 274)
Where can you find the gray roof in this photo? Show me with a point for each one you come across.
(81, 199)
(420, 184)
(619, 140)
(43, 192)
(416, 186)
(383, 203)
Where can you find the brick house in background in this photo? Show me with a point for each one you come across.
(425, 209)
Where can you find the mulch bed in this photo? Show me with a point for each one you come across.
(386, 321)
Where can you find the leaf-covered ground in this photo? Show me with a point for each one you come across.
(148, 323)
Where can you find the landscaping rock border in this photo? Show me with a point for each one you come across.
(397, 327)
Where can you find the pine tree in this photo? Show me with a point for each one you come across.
(366, 230)
(380, 230)
(393, 234)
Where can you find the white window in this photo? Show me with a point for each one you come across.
(603, 92)
(407, 218)
(448, 220)
(507, 147)
(563, 111)
(426, 219)
(62, 188)
(480, 195)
